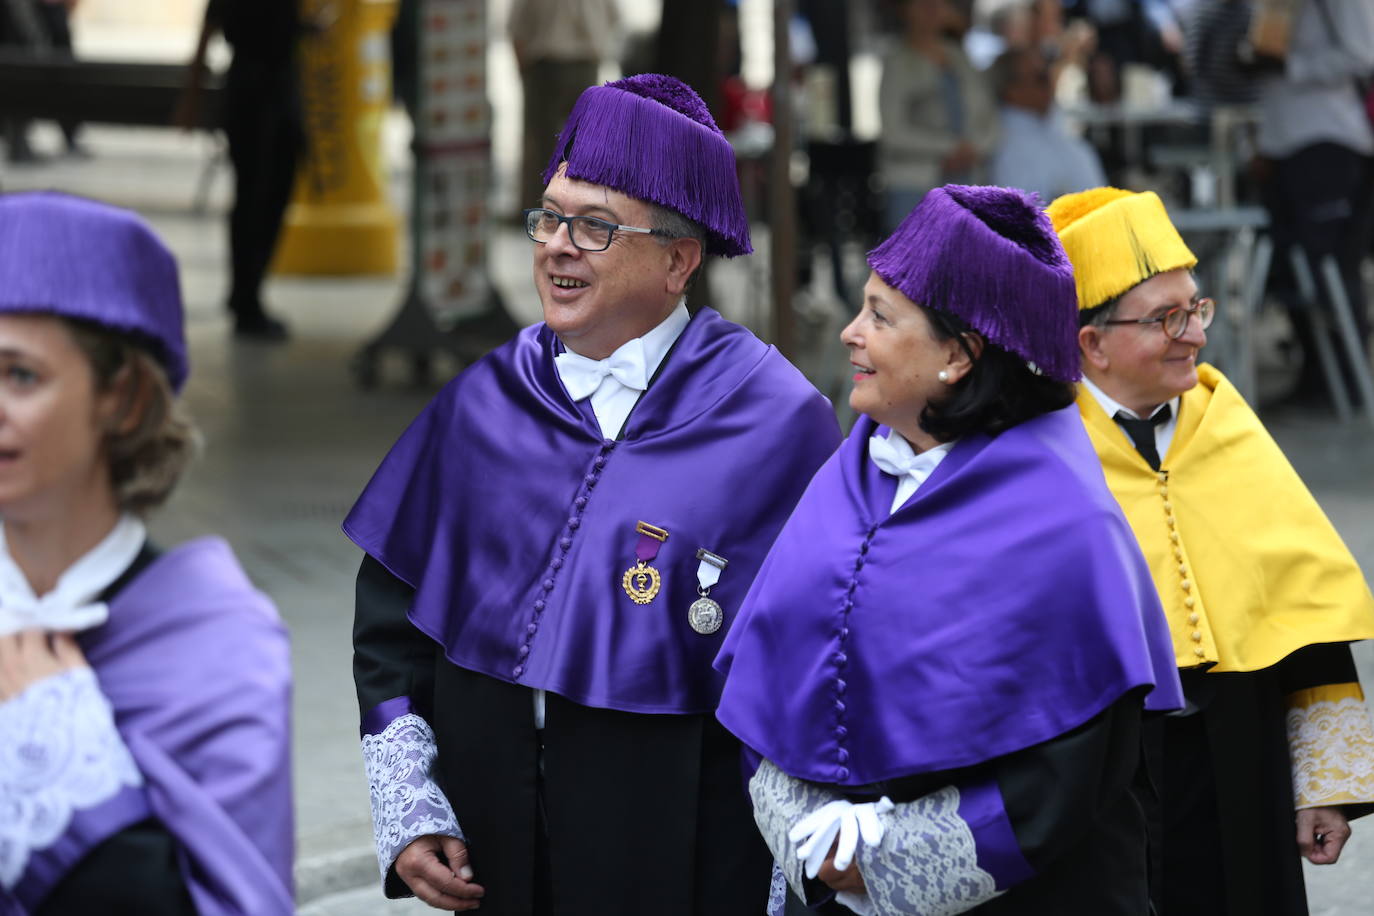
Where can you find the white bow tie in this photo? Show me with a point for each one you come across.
(69, 606)
(897, 457)
(582, 376)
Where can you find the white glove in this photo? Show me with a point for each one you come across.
(815, 833)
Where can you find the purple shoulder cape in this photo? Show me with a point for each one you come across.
(1004, 604)
(514, 519)
(196, 666)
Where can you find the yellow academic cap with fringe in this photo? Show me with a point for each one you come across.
(1116, 239)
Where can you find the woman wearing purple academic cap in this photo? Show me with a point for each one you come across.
(941, 669)
(144, 766)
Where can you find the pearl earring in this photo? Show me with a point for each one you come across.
(942, 375)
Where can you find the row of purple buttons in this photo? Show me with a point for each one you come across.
(564, 543)
(841, 660)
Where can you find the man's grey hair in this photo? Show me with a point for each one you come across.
(674, 225)
(1099, 315)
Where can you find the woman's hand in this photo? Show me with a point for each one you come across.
(845, 822)
(29, 656)
(1322, 833)
(848, 880)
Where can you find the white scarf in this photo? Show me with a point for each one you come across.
(70, 605)
(894, 455)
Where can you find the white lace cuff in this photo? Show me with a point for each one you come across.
(780, 801)
(1330, 746)
(406, 801)
(61, 753)
(777, 893)
(927, 861)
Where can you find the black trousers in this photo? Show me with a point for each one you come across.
(1320, 198)
(1228, 845)
(263, 122)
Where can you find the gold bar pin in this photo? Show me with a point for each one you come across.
(653, 531)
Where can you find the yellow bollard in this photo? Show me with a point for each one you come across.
(341, 220)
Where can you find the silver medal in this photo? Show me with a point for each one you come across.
(705, 616)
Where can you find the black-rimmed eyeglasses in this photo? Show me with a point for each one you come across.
(1174, 322)
(586, 232)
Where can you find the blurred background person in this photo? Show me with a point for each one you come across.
(1008, 26)
(1222, 71)
(1035, 151)
(1142, 32)
(1317, 142)
(20, 27)
(264, 122)
(144, 693)
(559, 45)
(939, 119)
(55, 16)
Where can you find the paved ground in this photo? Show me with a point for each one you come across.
(290, 441)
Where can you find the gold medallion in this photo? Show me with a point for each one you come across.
(641, 582)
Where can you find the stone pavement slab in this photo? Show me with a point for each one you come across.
(366, 901)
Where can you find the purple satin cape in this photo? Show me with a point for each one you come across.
(196, 665)
(514, 520)
(1004, 604)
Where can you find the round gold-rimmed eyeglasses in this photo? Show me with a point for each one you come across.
(1174, 322)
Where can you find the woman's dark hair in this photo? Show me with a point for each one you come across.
(152, 440)
(999, 392)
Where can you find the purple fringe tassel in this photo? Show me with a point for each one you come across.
(651, 152)
(991, 257)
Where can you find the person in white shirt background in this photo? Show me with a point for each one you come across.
(1036, 152)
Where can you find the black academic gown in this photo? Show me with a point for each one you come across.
(1225, 787)
(1075, 807)
(602, 813)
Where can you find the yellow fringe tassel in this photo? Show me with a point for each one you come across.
(1115, 240)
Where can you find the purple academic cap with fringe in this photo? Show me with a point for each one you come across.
(79, 258)
(990, 256)
(651, 136)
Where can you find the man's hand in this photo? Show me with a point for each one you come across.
(1322, 833)
(436, 869)
(29, 656)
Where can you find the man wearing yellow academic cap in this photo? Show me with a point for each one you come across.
(1274, 752)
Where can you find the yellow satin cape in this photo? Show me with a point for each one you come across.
(1248, 566)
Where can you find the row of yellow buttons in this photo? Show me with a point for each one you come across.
(1186, 584)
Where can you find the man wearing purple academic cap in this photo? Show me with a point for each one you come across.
(557, 545)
